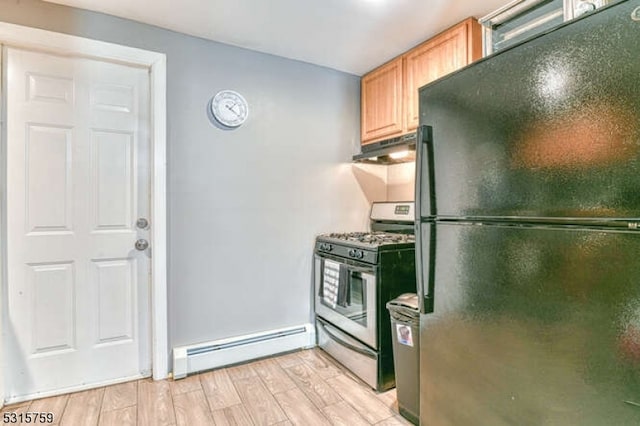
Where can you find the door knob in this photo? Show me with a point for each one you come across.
(142, 244)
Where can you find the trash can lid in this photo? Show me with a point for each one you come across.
(406, 300)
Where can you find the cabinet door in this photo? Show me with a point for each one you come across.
(437, 57)
(382, 109)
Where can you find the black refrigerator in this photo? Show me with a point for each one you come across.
(528, 231)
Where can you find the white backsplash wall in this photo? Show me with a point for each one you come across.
(244, 206)
(401, 182)
(372, 179)
(386, 183)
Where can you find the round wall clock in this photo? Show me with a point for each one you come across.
(229, 108)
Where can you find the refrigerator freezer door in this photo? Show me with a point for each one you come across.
(532, 326)
(547, 129)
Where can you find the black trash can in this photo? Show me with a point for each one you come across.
(405, 328)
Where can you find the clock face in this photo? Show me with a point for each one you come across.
(229, 108)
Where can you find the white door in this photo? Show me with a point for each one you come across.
(77, 181)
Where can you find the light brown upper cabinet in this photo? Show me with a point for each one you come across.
(381, 103)
(390, 92)
(437, 57)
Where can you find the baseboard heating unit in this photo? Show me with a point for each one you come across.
(218, 353)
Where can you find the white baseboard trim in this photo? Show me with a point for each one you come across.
(219, 353)
(21, 398)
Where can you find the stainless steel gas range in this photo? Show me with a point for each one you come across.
(356, 274)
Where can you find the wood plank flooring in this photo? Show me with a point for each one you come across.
(304, 388)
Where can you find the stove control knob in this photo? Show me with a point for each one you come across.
(359, 254)
(584, 7)
(352, 253)
(326, 247)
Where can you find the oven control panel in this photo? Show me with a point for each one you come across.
(339, 250)
(393, 211)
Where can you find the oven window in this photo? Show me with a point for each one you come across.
(344, 290)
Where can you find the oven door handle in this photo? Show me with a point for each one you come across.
(361, 350)
(361, 270)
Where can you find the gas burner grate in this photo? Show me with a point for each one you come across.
(374, 238)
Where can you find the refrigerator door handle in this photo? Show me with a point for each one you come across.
(419, 283)
(425, 179)
(417, 198)
(425, 264)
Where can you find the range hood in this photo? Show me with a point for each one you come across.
(401, 149)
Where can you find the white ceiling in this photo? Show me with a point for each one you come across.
(353, 36)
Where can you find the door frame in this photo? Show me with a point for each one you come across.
(64, 44)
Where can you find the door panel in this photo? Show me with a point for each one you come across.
(77, 171)
(116, 295)
(48, 174)
(47, 88)
(112, 167)
(52, 286)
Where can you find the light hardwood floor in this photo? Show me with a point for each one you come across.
(302, 388)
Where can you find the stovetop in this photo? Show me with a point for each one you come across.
(370, 239)
(363, 246)
(391, 230)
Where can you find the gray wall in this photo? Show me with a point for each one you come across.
(244, 205)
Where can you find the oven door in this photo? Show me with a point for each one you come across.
(346, 296)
